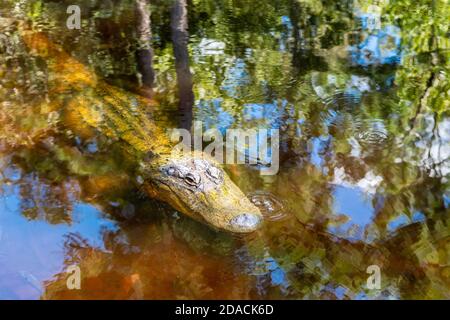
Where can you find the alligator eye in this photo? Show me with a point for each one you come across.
(192, 179)
(171, 171)
(213, 172)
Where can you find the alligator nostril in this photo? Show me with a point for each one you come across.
(245, 222)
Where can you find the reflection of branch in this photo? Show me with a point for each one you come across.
(422, 100)
(435, 165)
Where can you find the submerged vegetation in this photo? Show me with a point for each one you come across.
(358, 89)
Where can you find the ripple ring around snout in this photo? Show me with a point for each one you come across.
(270, 206)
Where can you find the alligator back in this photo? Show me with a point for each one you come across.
(66, 73)
(87, 104)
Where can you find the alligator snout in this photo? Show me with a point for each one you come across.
(245, 222)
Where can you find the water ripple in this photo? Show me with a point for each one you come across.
(271, 207)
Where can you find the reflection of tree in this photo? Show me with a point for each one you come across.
(144, 52)
(304, 30)
(180, 38)
(155, 265)
(51, 203)
(316, 262)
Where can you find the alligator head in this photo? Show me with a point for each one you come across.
(197, 186)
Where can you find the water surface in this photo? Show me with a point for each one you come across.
(360, 94)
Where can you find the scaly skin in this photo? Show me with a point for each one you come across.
(192, 183)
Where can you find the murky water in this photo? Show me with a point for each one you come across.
(359, 92)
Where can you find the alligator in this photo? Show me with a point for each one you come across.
(193, 183)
